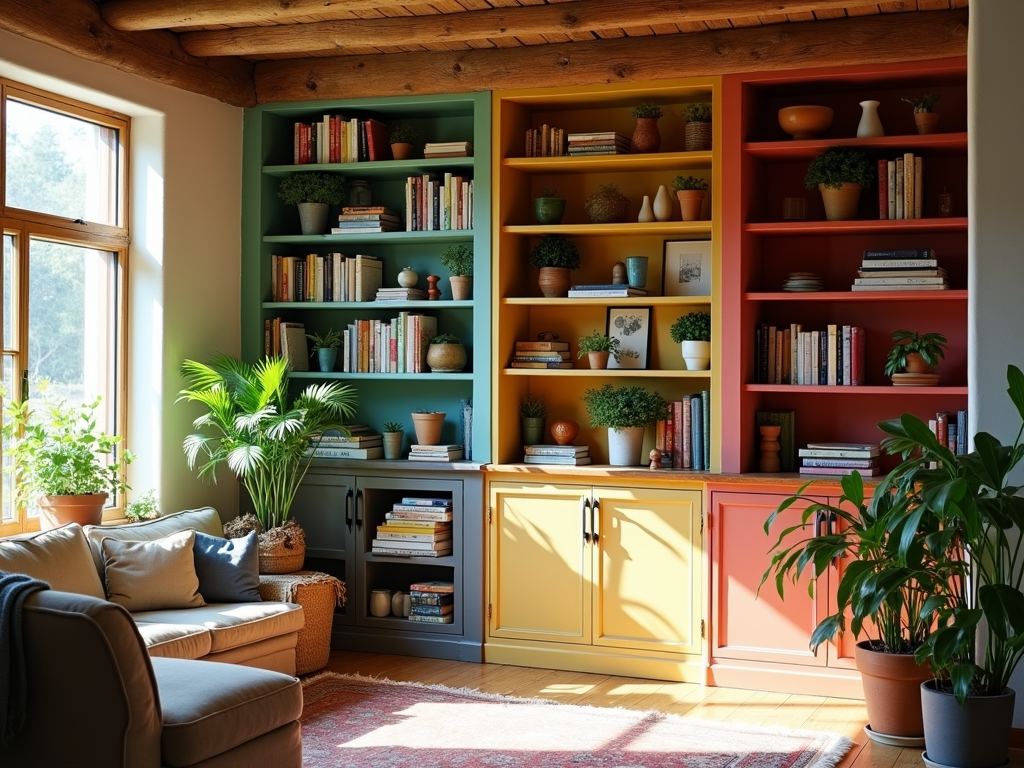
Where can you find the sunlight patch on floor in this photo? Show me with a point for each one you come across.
(575, 689)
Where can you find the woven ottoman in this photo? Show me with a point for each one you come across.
(318, 594)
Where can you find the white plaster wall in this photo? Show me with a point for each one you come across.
(185, 211)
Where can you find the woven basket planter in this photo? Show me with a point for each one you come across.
(698, 137)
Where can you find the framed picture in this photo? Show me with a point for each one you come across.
(687, 268)
(632, 327)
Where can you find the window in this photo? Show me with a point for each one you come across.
(63, 187)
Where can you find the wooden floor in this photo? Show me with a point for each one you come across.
(842, 715)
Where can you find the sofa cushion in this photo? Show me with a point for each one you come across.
(60, 557)
(211, 710)
(152, 575)
(228, 569)
(176, 641)
(205, 519)
(234, 624)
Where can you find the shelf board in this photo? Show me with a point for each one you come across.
(654, 161)
(603, 301)
(376, 168)
(429, 236)
(844, 390)
(860, 227)
(608, 373)
(464, 376)
(633, 228)
(371, 305)
(830, 296)
(806, 149)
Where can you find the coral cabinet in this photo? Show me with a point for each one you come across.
(520, 311)
(595, 577)
(762, 166)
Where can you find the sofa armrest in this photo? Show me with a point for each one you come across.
(92, 694)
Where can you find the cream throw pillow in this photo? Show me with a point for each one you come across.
(152, 575)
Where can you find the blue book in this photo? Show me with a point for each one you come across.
(421, 501)
(697, 432)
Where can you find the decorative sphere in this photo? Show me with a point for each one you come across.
(407, 278)
(564, 431)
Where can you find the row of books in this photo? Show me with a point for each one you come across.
(605, 290)
(840, 459)
(288, 339)
(359, 444)
(434, 202)
(546, 141)
(574, 455)
(325, 277)
(902, 269)
(416, 526)
(447, 149)
(787, 435)
(901, 187)
(369, 219)
(951, 432)
(432, 602)
(684, 436)
(830, 357)
(398, 345)
(598, 143)
(338, 140)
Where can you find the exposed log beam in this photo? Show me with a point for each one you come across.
(867, 39)
(76, 26)
(491, 24)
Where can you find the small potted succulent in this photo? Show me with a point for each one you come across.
(646, 137)
(325, 347)
(555, 256)
(915, 354)
(697, 117)
(532, 414)
(626, 411)
(691, 192)
(313, 192)
(446, 354)
(548, 207)
(598, 348)
(458, 260)
(693, 333)
(402, 137)
(925, 119)
(393, 432)
(840, 173)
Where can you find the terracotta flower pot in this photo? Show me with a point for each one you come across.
(691, 201)
(84, 509)
(598, 360)
(916, 364)
(402, 151)
(926, 122)
(428, 427)
(840, 203)
(554, 282)
(892, 691)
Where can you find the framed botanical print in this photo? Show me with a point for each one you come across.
(632, 327)
(687, 268)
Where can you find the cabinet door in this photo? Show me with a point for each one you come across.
(539, 563)
(767, 628)
(647, 566)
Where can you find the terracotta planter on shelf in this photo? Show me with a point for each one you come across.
(691, 201)
(402, 151)
(84, 509)
(926, 122)
(428, 427)
(916, 364)
(554, 282)
(840, 203)
(598, 360)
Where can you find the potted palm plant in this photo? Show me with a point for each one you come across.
(62, 461)
(627, 412)
(458, 260)
(840, 173)
(598, 347)
(693, 334)
(555, 256)
(313, 192)
(265, 438)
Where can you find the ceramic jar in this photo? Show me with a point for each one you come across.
(380, 602)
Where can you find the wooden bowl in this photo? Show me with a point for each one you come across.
(803, 122)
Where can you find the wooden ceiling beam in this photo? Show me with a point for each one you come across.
(76, 26)
(492, 24)
(867, 39)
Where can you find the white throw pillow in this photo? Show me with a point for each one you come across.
(152, 575)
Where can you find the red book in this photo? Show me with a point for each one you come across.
(378, 146)
(883, 189)
(857, 356)
(942, 428)
(678, 434)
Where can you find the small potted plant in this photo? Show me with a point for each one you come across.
(646, 137)
(555, 256)
(325, 347)
(143, 508)
(313, 192)
(402, 137)
(925, 119)
(548, 207)
(446, 354)
(62, 461)
(393, 432)
(840, 173)
(691, 192)
(458, 260)
(532, 413)
(598, 348)
(626, 411)
(427, 425)
(914, 357)
(697, 117)
(693, 333)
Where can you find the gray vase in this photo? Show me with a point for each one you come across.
(313, 218)
(976, 735)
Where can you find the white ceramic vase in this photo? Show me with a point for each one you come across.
(663, 204)
(870, 125)
(646, 214)
(697, 355)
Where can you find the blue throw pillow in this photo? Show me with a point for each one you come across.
(228, 569)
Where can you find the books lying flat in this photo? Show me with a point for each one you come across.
(597, 136)
(525, 364)
(435, 452)
(556, 450)
(322, 452)
(601, 150)
(431, 598)
(900, 264)
(542, 346)
(353, 441)
(839, 471)
(401, 294)
(425, 501)
(540, 356)
(901, 253)
(914, 280)
(365, 230)
(901, 287)
(839, 451)
(432, 586)
(612, 291)
(350, 209)
(447, 619)
(419, 546)
(393, 522)
(407, 552)
(384, 533)
(897, 272)
(432, 610)
(576, 461)
(397, 513)
(850, 463)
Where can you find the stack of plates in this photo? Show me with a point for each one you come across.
(803, 281)
(915, 379)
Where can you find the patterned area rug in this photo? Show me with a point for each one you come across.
(359, 722)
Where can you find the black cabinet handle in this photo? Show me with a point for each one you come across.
(348, 509)
(584, 505)
(595, 508)
(359, 508)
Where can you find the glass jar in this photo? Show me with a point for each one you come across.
(359, 193)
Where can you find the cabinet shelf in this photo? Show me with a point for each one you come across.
(633, 228)
(806, 149)
(605, 373)
(864, 390)
(428, 236)
(626, 301)
(858, 296)
(369, 305)
(374, 169)
(860, 227)
(464, 376)
(657, 161)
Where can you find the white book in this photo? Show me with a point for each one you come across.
(901, 287)
(847, 350)
(899, 281)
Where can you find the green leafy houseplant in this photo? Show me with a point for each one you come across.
(329, 340)
(695, 326)
(548, 192)
(622, 407)
(922, 103)
(313, 187)
(699, 112)
(143, 508)
(532, 407)
(598, 342)
(555, 251)
(251, 426)
(392, 426)
(458, 260)
(680, 183)
(927, 345)
(446, 338)
(837, 166)
(403, 133)
(647, 109)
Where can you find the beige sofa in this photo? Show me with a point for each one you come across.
(71, 559)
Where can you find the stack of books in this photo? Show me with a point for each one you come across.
(401, 294)
(575, 455)
(610, 290)
(415, 516)
(367, 219)
(435, 452)
(903, 269)
(598, 143)
(541, 354)
(433, 602)
(359, 445)
(840, 459)
(447, 149)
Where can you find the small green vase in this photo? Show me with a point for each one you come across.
(549, 210)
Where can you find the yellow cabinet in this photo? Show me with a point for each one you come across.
(595, 578)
